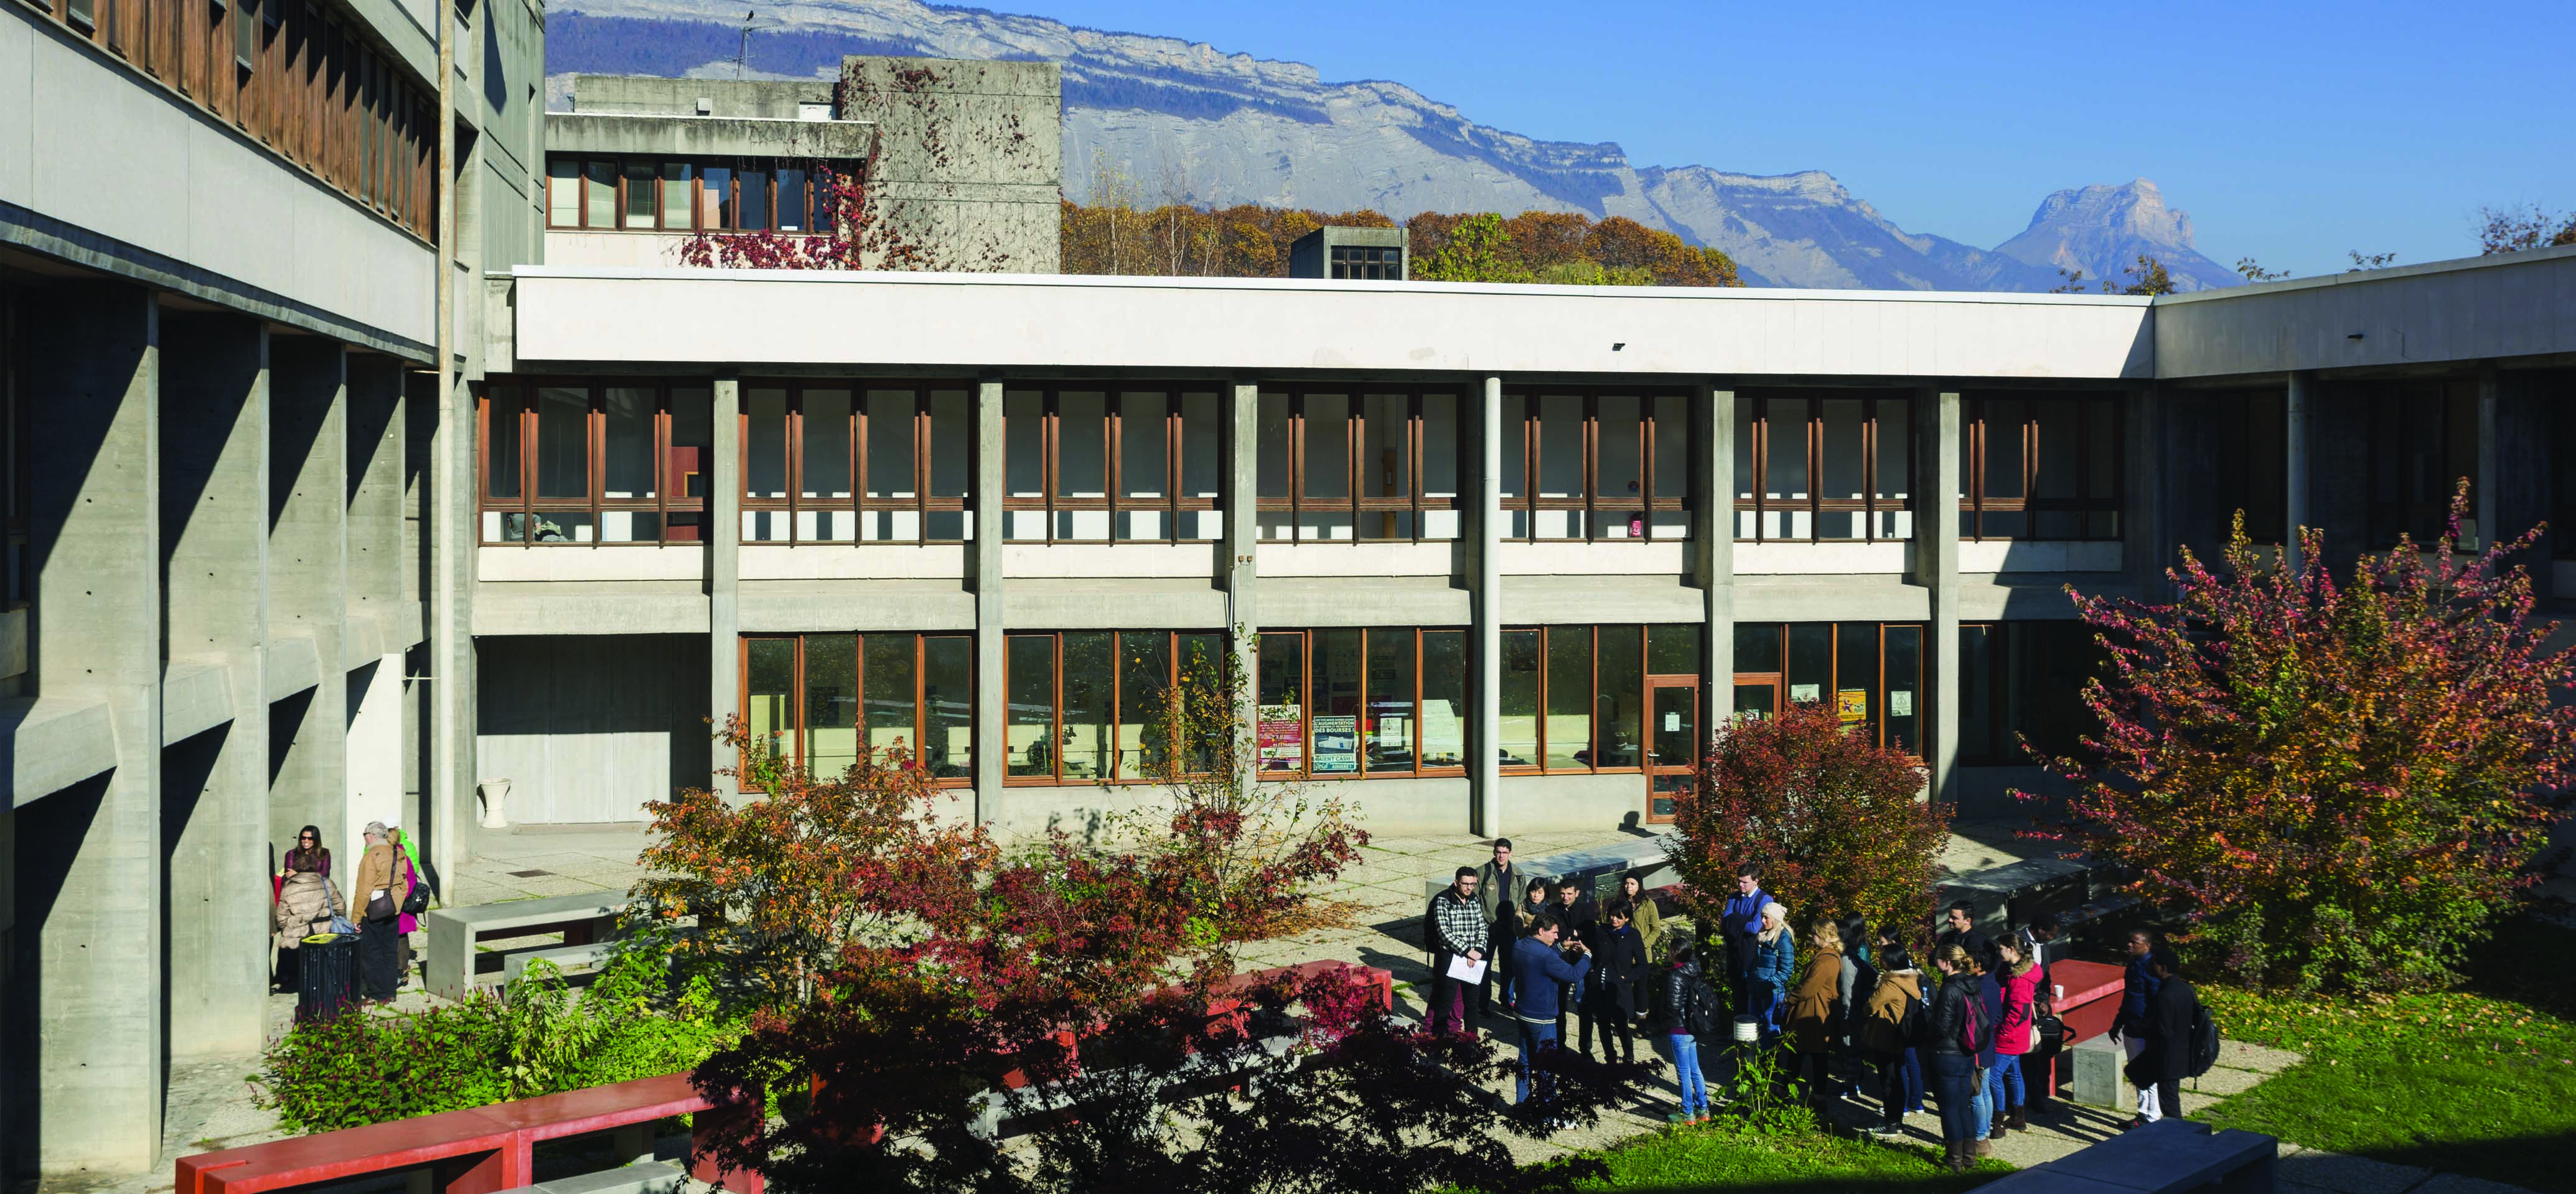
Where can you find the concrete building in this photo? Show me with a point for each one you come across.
(1503, 552)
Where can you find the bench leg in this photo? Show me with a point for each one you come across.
(632, 1143)
(485, 1173)
(726, 1123)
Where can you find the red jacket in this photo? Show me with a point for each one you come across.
(2018, 991)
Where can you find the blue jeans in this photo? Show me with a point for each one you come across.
(1765, 1000)
(1981, 1105)
(2003, 1083)
(1687, 1074)
(1954, 1080)
(1534, 1038)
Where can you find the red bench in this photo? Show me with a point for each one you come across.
(478, 1150)
(2091, 1002)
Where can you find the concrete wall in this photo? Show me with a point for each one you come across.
(761, 99)
(2511, 305)
(707, 136)
(970, 163)
(588, 728)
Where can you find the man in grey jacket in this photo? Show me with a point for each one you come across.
(1498, 884)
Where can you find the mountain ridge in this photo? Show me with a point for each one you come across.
(1187, 122)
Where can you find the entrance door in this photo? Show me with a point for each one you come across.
(1673, 760)
(1757, 695)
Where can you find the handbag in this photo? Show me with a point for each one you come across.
(417, 901)
(339, 920)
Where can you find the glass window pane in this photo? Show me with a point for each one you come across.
(2003, 429)
(1518, 730)
(791, 199)
(1090, 687)
(561, 526)
(2057, 440)
(753, 197)
(765, 442)
(1620, 449)
(1785, 478)
(675, 195)
(1569, 697)
(600, 197)
(628, 442)
(501, 455)
(891, 691)
(1144, 684)
(1024, 462)
(891, 415)
(716, 207)
(1843, 475)
(1811, 662)
(1386, 463)
(1977, 648)
(1443, 734)
(1282, 700)
(563, 193)
(1895, 466)
(951, 432)
(948, 706)
(1560, 446)
(1144, 446)
(2102, 459)
(770, 682)
(1325, 470)
(1672, 446)
(1271, 447)
(1673, 650)
(1857, 695)
(1028, 729)
(825, 434)
(1757, 646)
(1335, 719)
(1904, 688)
(1202, 446)
(630, 526)
(1514, 434)
(563, 442)
(1619, 708)
(640, 202)
(831, 704)
(1082, 445)
(1387, 729)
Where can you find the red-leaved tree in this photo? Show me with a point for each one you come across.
(2338, 784)
(1833, 820)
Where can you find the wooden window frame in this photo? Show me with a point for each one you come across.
(662, 504)
(1878, 647)
(1414, 501)
(1306, 706)
(1815, 505)
(998, 756)
(921, 503)
(799, 724)
(1171, 505)
(1974, 505)
(1590, 501)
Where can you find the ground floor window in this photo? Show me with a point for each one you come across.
(820, 699)
(1574, 698)
(1869, 672)
(1088, 706)
(1338, 704)
(2024, 680)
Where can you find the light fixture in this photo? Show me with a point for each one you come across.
(1616, 345)
(2352, 335)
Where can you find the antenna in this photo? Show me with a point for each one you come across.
(751, 20)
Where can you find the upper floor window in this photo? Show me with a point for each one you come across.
(1367, 261)
(2423, 439)
(1574, 697)
(1084, 464)
(869, 462)
(2248, 437)
(2039, 466)
(607, 461)
(688, 195)
(1357, 703)
(1813, 465)
(1337, 465)
(1595, 464)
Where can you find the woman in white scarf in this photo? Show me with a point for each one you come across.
(1775, 961)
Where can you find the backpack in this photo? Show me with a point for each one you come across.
(1972, 1029)
(1700, 1011)
(2204, 1039)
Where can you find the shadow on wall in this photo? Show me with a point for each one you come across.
(1985, 793)
(589, 727)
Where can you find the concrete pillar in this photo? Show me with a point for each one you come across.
(1486, 523)
(2483, 491)
(372, 693)
(1936, 567)
(724, 573)
(2294, 469)
(453, 534)
(308, 589)
(214, 539)
(1713, 515)
(89, 916)
(1242, 559)
(992, 697)
(374, 567)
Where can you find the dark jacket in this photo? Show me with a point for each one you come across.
(1971, 942)
(2136, 988)
(1623, 970)
(2167, 1033)
(1775, 962)
(1679, 978)
(1990, 998)
(1538, 970)
(1738, 923)
(1949, 1011)
(1580, 919)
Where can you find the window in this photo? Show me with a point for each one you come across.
(580, 462)
(846, 461)
(1602, 465)
(1870, 672)
(14, 590)
(1092, 465)
(1816, 465)
(1367, 262)
(2039, 467)
(2024, 680)
(818, 700)
(1088, 706)
(1367, 463)
(673, 195)
(1338, 704)
(2248, 438)
(2423, 442)
(1574, 697)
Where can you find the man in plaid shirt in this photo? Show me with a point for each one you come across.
(1458, 929)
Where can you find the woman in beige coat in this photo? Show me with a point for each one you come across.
(305, 898)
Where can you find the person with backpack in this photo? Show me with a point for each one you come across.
(1989, 994)
(1694, 1013)
(1620, 978)
(2128, 1028)
(2019, 981)
(1890, 1027)
(1959, 1034)
(2046, 945)
(2173, 1023)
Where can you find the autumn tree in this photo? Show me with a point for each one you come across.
(2514, 229)
(2336, 784)
(1479, 249)
(1830, 816)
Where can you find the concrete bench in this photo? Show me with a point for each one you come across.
(2169, 1156)
(585, 919)
(1597, 867)
(643, 1177)
(564, 957)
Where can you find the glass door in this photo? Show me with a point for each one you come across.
(1674, 759)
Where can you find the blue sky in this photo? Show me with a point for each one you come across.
(2290, 132)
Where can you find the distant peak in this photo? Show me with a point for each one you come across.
(2137, 206)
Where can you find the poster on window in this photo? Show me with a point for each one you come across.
(1337, 744)
(1282, 739)
(1900, 702)
(1806, 694)
(1852, 704)
(1444, 734)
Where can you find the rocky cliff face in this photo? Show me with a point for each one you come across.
(1186, 122)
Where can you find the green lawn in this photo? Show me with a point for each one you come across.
(2480, 1081)
(1693, 1159)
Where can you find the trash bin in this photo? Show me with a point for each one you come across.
(328, 984)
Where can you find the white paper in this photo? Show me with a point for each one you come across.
(1672, 723)
(1806, 692)
(1900, 702)
(1465, 970)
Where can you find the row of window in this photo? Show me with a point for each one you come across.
(841, 461)
(687, 195)
(307, 85)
